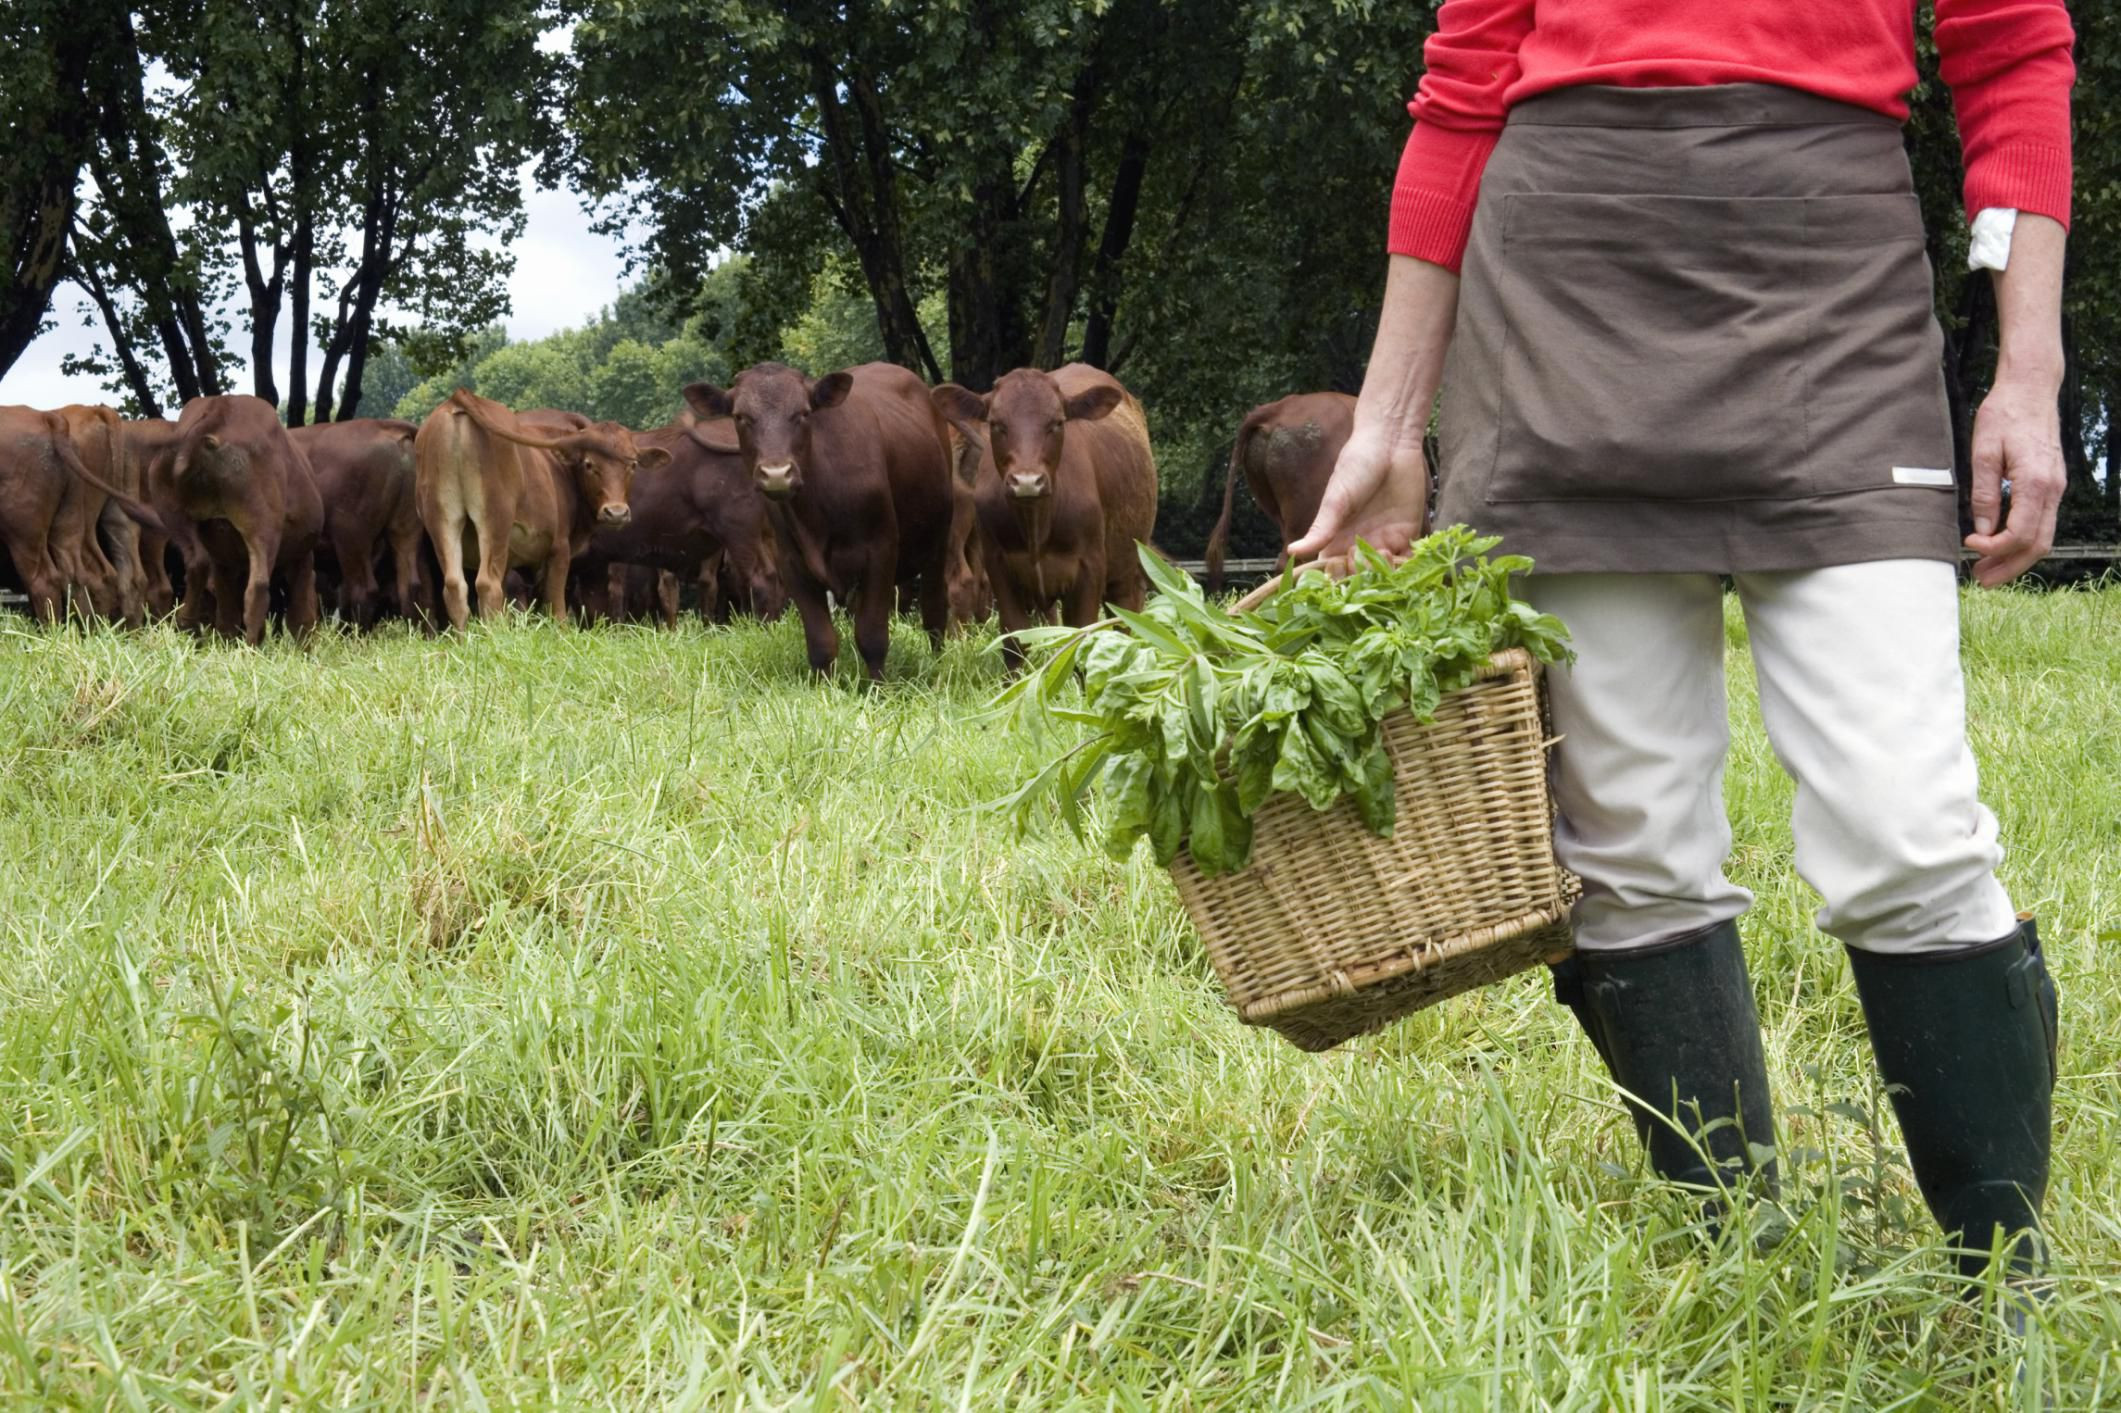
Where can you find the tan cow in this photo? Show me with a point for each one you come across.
(518, 492)
(40, 470)
(91, 529)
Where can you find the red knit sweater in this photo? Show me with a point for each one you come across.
(2007, 63)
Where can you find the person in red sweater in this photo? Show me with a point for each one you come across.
(1664, 260)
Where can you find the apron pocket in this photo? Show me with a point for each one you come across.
(1661, 348)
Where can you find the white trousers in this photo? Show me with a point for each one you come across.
(1861, 693)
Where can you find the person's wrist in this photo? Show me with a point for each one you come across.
(2039, 369)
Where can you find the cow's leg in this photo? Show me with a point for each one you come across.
(154, 567)
(26, 546)
(405, 534)
(198, 606)
(872, 609)
(557, 564)
(666, 596)
(123, 539)
(710, 585)
(357, 576)
(1085, 601)
(449, 541)
(302, 608)
(264, 549)
(492, 523)
(1012, 615)
(935, 598)
(821, 637)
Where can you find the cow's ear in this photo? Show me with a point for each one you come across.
(1092, 403)
(830, 390)
(707, 400)
(652, 458)
(961, 407)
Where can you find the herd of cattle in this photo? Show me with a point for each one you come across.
(864, 488)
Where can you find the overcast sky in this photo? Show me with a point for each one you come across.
(564, 273)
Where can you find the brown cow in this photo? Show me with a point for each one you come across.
(854, 468)
(1067, 487)
(971, 596)
(241, 507)
(364, 470)
(147, 441)
(39, 470)
(692, 517)
(518, 492)
(1286, 450)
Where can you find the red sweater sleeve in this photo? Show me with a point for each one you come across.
(2008, 65)
(1458, 110)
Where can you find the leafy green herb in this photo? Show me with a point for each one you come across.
(1197, 716)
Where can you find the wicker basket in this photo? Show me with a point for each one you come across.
(1331, 932)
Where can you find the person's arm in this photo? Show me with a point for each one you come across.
(2008, 65)
(1380, 487)
(2018, 431)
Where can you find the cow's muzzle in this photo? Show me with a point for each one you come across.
(1029, 485)
(777, 481)
(617, 513)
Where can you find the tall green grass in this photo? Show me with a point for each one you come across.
(560, 1019)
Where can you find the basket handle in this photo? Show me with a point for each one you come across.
(1338, 566)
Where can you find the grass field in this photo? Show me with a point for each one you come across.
(618, 1019)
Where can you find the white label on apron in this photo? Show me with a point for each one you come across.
(1923, 475)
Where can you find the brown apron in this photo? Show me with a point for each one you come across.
(1695, 333)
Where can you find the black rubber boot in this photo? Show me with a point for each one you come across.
(1966, 1042)
(1676, 1026)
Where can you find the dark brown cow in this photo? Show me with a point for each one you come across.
(854, 469)
(518, 492)
(1066, 488)
(241, 507)
(365, 474)
(39, 469)
(691, 517)
(1286, 450)
(147, 441)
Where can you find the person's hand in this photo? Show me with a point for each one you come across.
(2017, 437)
(1379, 494)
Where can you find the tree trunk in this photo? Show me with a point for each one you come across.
(303, 197)
(38, 198)
(266, 293)
(1112, 246)
(864, 201)
(121, 343)
(1067, 258)
(128, 173)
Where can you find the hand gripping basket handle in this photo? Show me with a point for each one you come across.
(1339, 566)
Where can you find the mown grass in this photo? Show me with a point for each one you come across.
(619, 1019)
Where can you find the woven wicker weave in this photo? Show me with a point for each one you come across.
(1331, 931)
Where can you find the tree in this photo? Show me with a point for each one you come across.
(347, 156)
(46, 51)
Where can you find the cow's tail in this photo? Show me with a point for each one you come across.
(70, 458)
(1219, 537)
(464, 403)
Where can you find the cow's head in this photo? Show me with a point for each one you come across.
(771, 404)
(1024, 421)
(603, 459)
